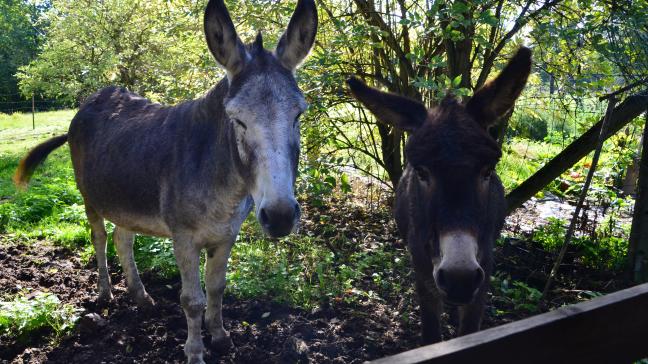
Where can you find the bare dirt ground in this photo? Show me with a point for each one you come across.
(262, 331)
(124, 334)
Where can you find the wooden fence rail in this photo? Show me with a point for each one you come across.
(607, 329)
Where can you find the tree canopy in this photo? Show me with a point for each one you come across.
(424, 50)
(20, 37)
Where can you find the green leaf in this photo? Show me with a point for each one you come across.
(456, 81)
(459, 7)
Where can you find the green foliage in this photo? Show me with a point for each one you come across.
(155, 48)
(594, 44)
(515, 294)
(529, 127)
(20, 38)
(29, 314)
(521, 158)
(156, 255)
(551, 235)
(603, 249)
(303, 271)
(318, 180)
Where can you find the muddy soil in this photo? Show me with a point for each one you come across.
(262, 331)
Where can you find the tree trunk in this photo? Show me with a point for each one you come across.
(638, 245)
(629, 109)
(629, 185)
(458, 51)
(391, 152)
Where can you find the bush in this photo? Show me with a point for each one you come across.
(514, 294)
(23, 316)
(529, 126)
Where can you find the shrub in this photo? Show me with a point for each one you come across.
(23, 316)
(529, 126)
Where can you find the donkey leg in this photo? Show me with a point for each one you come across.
(215, 269)
(431, 307)
(192, 297)
(123, 239)
(98, 232)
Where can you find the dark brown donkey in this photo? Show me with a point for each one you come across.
(193, 172)
(450, 204)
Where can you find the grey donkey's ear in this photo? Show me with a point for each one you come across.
(296, 42)
(222, 39)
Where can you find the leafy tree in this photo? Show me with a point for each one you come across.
(20, 37)
(419, 49)
(152, 47)
(588, 46)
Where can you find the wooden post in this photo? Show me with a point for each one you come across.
(33, 111)
(638, 244)
(581, 200)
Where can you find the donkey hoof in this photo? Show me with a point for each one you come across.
(222, 345)
(104, 298)
(145, 302)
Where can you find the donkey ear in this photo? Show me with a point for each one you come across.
(222, 39)
(399, 111)
(498, 96)
(295, 44)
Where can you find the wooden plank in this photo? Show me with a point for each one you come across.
(607, 329)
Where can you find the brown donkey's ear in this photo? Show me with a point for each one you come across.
(498, 96)
(399, 111)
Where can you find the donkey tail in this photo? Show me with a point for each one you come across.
(34, 158)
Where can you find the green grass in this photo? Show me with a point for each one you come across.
(521, 158)
(42, 119)
(22, 316)
(17, 135)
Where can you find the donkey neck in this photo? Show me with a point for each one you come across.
(211, 143)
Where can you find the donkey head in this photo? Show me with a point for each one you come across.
(450, 172)
(263, 104)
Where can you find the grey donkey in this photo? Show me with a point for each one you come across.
(194, 171)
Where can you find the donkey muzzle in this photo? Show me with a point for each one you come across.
(280, 218)
(459, 276)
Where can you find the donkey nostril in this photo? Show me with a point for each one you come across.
(263, 217)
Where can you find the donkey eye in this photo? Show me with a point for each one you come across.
(240, 123)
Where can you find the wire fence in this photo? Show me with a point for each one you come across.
(558, 120)
(16, 104)
(13, 103)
